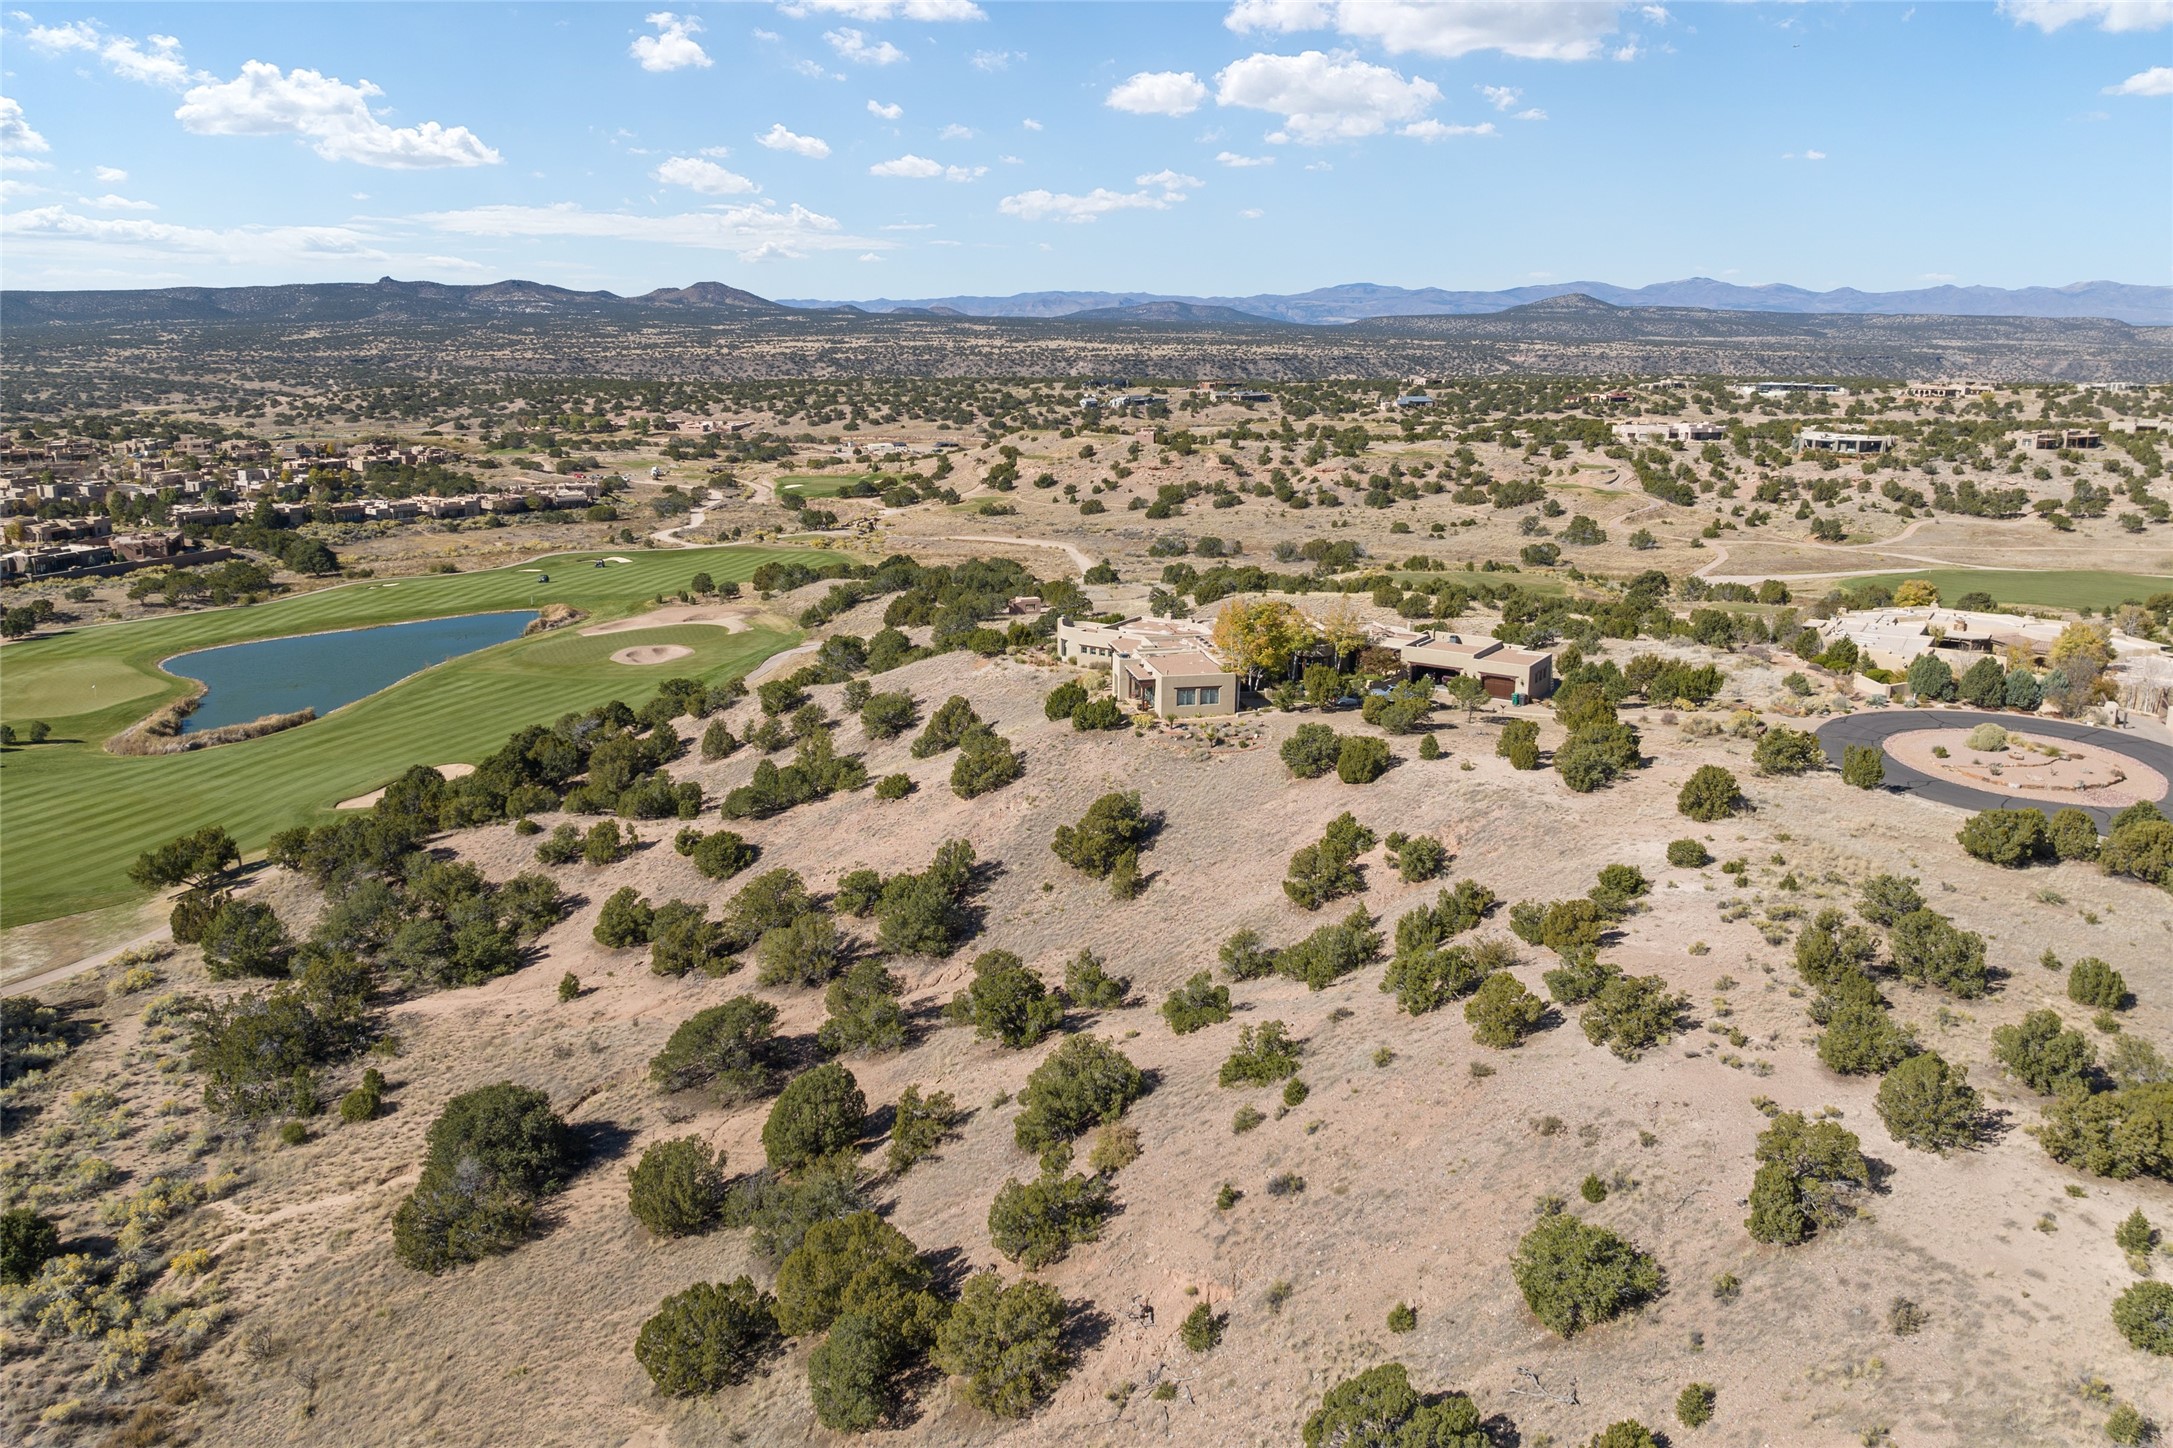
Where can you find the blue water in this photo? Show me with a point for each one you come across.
(323, 671)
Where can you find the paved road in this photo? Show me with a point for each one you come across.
(1874, 726)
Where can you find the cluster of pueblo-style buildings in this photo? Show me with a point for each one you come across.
(1171, 667)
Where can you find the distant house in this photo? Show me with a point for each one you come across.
(1669, 430)
(1167, 665)
(1891, 638)
(1788, 389)
(1851, 443)
(2057, 439)
(1412, 399)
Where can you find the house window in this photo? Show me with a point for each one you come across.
(1211, 695)
(1186, 698)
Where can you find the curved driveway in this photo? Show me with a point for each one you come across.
(1875, 726)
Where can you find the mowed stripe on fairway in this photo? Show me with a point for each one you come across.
(73, 817)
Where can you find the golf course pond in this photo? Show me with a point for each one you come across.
(322, 671)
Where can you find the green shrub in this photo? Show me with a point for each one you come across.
(1093, 988)
(2044, 1057)
(1929, 949)
(1580, 978)
(1429, 747)
(569, 987)
(1244, 958)
(1782, 750)
(842, 1265)
(2144, 1315)
(677, 1188)
(1402, 1318)
(684, 939)
(1420, 857)
(1574, 1275)
(1710, 794)
(1427, 978)
(1380, 1407)
(2141, 849)
(864, 1014)
(1197, 1004)
(1885, 899)
(852, 1374)
(1265, 1054)
(945, 728)
(364, 1102)
(1861, 1039)
(27, 1242)
(1084, 1082)
(1592, 758)
(2119, 1134)
(625, 921)
(1329, 870)
(1361, 759)
(1332, 951)
(1864, 766)
(1688, 855)
(1929, 1105)
(2093, 983)
(1627, 1433)
(1064, 698)
(1633, 1013)
(893, 786)
(1502, 1012)
(722, 855)
(1694, 1405)
(918, 1126)
(926, 913)
(1312, 750)
(492, 1153)
(986, 762)
(886, 716)
(1006, 1002)
(818, 1113)
(1037, 1223)
(1006, 1342)
(730, 1047)
(2127, 1426)
(1808, 1174)
(1519, 744)
(2072, 835)
(1112, 826)
(245, 938)
(809, 951)
(711, 1336)
(1100, 712)
(2010, 837)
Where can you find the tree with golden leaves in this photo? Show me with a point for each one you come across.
(1340, 627)
(1260, 638)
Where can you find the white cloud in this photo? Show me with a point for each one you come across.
(869, 256)
(1031, 124)
(2114, 15)
(955, 132)
(909, 226)
(1324, 97)
(995, 60)
(1232, 158)
(1562, 30)
(717, 153)
(1252, 213)
(111, 175)
(777, 138)
(707, 177)
(333, 115)
(755, 231)
(1658, 14)
(1169, 181)
(1040, 205)
(1158, 93)
(925, 11)
(1814, 155)
(813, 70)
(765, 36)
(888, 113)
(1500, 97)
(1627, 53)
(56, 233)
(854, 46)
(10, 161)
(910, 167)
(156, 60)
(1010, 160)
(1431, 130)
(1320, 165)
(673, 47)
(16, 136)
(110, 202)
(1533, 114)
(2157, 81)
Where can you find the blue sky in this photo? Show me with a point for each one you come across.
(904, 148)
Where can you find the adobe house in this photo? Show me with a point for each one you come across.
(1503, 670)
(1167, 665)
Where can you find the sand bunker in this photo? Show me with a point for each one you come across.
(651, 654)
(366, 801)
(2032, 767)
(729, 616)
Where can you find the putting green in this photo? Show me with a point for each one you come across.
(2068, 588)
(820, 485)
(73, 817)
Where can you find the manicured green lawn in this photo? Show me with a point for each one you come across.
(2072, 588)
(72, 816)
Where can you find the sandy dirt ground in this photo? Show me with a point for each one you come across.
(734, 617)
(1419, 1174)
(642, 654)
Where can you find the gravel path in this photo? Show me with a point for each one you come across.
(1875, 726)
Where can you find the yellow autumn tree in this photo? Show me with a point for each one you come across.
(2082, 641)
(1915, 593)
(1259, 639)
(1340, 626)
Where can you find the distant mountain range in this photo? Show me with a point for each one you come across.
(2143, 306)
(397, 301)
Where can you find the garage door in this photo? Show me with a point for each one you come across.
(1498, 686)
